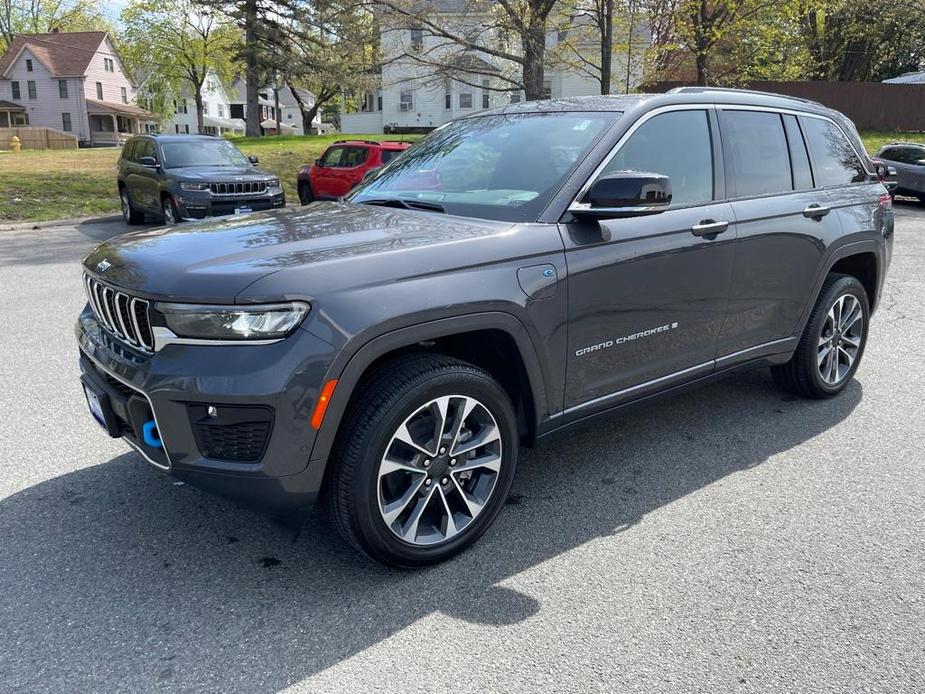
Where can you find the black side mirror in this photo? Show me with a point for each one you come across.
(150, 162)
(318, 162)
(625, 194)
(253, 159)
(886, 173)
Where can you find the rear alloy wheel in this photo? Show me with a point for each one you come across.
(169, 211)
(129, 214)
(833, 341)
(424, 460)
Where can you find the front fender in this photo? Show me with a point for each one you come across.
(350, 366)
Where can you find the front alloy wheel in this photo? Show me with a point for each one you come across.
(439, 470)
(169, 210)
(424, 460)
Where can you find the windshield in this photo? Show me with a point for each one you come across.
(201, 153)
(504, 167)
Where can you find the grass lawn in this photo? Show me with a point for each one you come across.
(42, 185)
(39, 185)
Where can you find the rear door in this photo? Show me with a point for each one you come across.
(647, 295)
(350, 170)
(324, 174)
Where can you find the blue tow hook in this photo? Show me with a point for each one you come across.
(151, 435)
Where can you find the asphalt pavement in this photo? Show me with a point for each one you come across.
(731, 539)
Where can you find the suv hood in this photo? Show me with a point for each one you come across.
(219, 173)
(214, 261)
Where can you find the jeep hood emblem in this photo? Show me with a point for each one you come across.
(103, 265)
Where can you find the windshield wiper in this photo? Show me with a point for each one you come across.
(405, 204)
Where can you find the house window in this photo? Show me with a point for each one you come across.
(205, 108)
(124, 95)
(465, 100)
(30, 85)
(417, 39)
(16, 94)
(485, 95)
(99, 91)
(28, 65)
(186, 129)
(406, 97)
(448, 95)
(379, 100)
(515, 97)
(62, 88)
(221, 111)
(547, 89)
(108, 65)
(19, 119)
(66, 122)
(289, 116)
(176, 126)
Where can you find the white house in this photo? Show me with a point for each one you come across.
(411, 99)
(290, 116)
(72, 82)
(908, 78)
(216, 111)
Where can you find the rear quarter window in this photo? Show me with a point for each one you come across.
(834, 161)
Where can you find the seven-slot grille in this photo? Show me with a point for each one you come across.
(123, 315)
(238, 188)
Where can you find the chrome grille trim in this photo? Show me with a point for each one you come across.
(238, 188)
(117, 313)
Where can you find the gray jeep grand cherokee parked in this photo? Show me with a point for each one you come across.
(514, 274)
(181, 177)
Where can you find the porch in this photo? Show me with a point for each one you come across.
(12, 115)
(111, 124)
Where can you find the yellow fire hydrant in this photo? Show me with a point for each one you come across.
(15, 144)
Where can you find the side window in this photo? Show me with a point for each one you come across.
(353, 156)
(128, 150)
(677, 145)
(333, 157)
(890, 154)
(799, 159)
(144, 148)
(756, 148)
(914, 155)
(835, 163)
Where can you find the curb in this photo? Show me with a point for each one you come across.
(24, 226)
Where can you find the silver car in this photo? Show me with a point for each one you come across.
(909, 160)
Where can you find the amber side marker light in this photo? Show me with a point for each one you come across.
(323, 400)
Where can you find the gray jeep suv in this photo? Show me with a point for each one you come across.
(179, 177)
(515, 274)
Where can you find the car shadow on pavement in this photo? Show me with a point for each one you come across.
(114, 577)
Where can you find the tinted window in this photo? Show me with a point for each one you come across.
(203, 152)
(144, 148)
(891, 154)
(756, 148)
(676, 145)
(503, 166)
(799, 159)
(333, 156)
(913, 155)
(389, 154)
(353, 156)
(128, 150)
(835, 163)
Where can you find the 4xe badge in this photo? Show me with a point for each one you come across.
(103, 266)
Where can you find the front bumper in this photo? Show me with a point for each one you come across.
(199, 205)
(175, 387)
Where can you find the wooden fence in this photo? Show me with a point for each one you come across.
(33, 137)
(871, 105)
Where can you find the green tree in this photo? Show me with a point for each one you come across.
(39, 16)
(176, 45)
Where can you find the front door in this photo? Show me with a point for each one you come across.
(647, 295)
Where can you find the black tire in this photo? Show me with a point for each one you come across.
(801, 375)
(169, 211)
(384, 402)
(305, 193)
(129, 213)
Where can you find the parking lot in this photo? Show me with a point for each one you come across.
(730, 539)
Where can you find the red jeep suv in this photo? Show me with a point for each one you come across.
(343, 166)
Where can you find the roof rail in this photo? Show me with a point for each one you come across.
(732, 90)
(368, 142)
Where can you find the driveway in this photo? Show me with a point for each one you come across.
(730, 539)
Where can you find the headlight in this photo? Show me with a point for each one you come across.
(273, 183)
(186, 185)
(257, 322)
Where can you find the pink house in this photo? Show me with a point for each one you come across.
(72, 82)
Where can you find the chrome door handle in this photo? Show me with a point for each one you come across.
(815, 211)
(709, 227)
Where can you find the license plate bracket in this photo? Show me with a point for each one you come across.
(100, 407)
